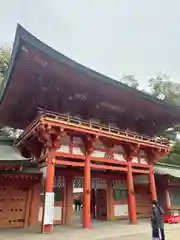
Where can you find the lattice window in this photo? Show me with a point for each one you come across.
(59, 181)
(78, 182)
(119, 184)
(98, 183)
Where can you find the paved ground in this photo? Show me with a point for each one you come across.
(100, 231)
(170, 235)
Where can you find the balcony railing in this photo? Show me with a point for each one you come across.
(66, 119)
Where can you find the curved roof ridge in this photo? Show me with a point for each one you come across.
(23, 35)
(167, 165)
(136, 98)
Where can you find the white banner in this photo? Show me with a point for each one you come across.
(49, 208)
(121, 210)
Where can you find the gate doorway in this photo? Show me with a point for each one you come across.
(98, 199)
(143, 201)
(101, 204)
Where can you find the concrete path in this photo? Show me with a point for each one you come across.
(100, 231)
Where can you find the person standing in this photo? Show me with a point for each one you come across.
(79, 203)
(76, 204)
(157, 222)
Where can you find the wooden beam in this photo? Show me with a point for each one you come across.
(69, 163)
(69, 155)
(96, 174)
(124, 169)
(96, 159)
(140, 171)
(99, 166)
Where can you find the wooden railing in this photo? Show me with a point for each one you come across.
(105, 128)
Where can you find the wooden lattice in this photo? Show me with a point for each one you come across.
(96, 183)
(59, 182)
(78, 182)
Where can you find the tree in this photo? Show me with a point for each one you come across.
(164, 88)
(130, 80)
(173, 157)
(5, 55)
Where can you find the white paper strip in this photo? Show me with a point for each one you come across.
(49, 208)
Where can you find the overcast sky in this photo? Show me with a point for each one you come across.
(115, 37)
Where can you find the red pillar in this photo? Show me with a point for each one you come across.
(152, 183)
(131, 194)
(87, 194)
(49, 187)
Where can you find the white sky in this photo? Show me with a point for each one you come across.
(139, 37)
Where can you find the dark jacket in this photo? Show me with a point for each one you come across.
(157, 218)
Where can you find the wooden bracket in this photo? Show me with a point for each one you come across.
(154, 154)
(131, 150)
(89, 143)
(108, 143)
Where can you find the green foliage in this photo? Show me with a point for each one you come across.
(171, 134)
(173, 157)
(5, 55)
(164, 88)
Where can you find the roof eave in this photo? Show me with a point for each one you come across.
(24, 36)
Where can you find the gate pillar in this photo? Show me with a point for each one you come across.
(87, 194)
(152, 183)
(131, 194)
(49, 188)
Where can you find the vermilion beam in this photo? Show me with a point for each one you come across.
(69, 163)
(108, 167)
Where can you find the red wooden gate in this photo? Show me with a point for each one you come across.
(101, 204)
(12, 206)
